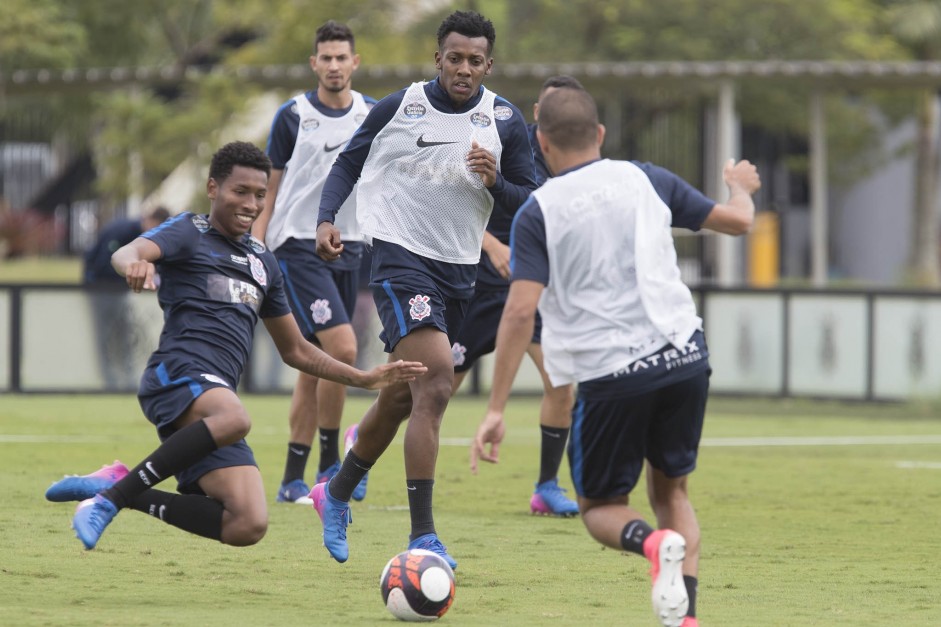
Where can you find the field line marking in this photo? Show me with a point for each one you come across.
(851, 440)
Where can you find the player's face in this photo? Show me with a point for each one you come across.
(334, 65)
(462, 63)
(237, 201)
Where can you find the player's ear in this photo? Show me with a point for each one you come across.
(212, 188)
(601, 132)
(355, 61)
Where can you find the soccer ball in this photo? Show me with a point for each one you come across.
(417, 585)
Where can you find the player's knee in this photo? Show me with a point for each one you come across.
(246, 531)
(346, 354)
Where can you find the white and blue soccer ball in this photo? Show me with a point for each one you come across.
(417, 585)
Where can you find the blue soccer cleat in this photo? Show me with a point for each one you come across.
(295, 492)
(91, 517)
(327, 475)
(335, 515)
(81, 487)
(430, 542)
(549, 499)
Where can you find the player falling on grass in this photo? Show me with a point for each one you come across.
(216, 282)
(593, 249)
(306, 136)
(431, 161)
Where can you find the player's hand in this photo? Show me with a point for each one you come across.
(391, 373)
(499, 255)
(741, 176)
(140, 276)
(483, 163)
(491, 431)
(329, 245)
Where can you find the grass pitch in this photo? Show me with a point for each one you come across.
(812, 514)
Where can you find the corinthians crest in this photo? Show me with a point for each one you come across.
(420, 309)
(258, 270)
(320, 310)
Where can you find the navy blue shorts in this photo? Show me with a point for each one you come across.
(165, 394)
(412, 303)
(322, 294)
(611, 437)
(478, 334)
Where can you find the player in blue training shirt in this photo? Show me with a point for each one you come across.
(306, 136)
(216, 282)
(431, 161)
(593, 248)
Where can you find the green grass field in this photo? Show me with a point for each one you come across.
(812, 514)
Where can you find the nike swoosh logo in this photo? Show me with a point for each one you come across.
(152, 471)
(296, 451)
(328, 148)
(424, 144)
(412, 487)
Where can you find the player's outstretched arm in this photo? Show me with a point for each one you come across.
(736, 215)
(513, 337)
(134, 261)
(304, 356)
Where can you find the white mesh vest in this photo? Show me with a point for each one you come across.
(416, 190)
(320, 138)
(614, 292)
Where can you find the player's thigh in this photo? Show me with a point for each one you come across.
(223, 412)
(240, 489)
(607, 444)
(673, 439)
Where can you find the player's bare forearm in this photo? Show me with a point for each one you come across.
(317, 363)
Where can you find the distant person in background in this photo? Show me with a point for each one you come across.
(593, 249)
(306, 136)
(116, 331)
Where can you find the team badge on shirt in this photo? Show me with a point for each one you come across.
(321, 311)
(502, 112)
(420, 309)
(414, 110)
(480, 120)
(201, 224)
(258, 270)
(257, 245)
(458, 352)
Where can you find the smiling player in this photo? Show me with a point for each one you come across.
(216, 282)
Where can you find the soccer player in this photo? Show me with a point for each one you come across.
(216, 282)
(431, 161)
(593, 248)
(306, 136)
(555, 412)
(478, 335)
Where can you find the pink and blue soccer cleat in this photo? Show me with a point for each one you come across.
(549, 499)
(335, 516)
(81, 487)
(666, 550)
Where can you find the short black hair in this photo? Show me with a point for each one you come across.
(568, 118)
(238, 153)
(160, 214)
(470, 24)
(334, 31)
(561, 80)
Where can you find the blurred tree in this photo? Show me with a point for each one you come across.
(917, 23)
